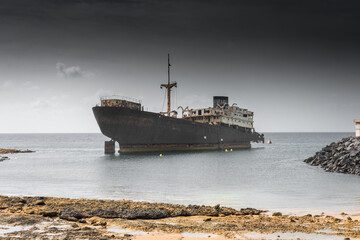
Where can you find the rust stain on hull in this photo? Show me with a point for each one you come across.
(181, 147)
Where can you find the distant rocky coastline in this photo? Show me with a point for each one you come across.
(342, 156)
(10, 151)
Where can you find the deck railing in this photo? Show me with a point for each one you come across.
(120, 98)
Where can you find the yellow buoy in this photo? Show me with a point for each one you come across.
(230, 150)
(160, 155)
(226, 150)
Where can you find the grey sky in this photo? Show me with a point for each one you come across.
(294, 63)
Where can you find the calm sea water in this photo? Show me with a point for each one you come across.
(268, 176)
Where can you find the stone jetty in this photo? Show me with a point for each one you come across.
(342, 156)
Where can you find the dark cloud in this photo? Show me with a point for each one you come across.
(274, 55)
(240, 26)
(306, 21)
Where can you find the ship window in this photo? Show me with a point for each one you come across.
(206, 111)
(199, 112)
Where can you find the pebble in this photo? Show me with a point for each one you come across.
(277, 214)
(40, 203)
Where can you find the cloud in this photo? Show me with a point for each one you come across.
(53, 103)
(10, 86)
(71, 72)
(6, 86)
(31, 86)
(46, 103)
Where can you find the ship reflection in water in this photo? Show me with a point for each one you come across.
(267, 176)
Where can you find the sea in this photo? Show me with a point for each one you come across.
(267, 176)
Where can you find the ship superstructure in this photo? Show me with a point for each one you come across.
(222, 114)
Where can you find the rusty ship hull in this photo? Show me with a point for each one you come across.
(142, 131)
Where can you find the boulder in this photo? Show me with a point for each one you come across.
(354, 153)
(72, 215)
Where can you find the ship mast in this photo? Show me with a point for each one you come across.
(168, 86)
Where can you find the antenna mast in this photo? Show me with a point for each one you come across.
(168, 86)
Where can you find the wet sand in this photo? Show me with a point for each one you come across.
(63, 218)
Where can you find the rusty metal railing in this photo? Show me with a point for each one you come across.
(120, 98)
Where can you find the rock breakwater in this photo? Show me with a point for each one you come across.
(342, 156)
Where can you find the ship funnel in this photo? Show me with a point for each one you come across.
(220, 100)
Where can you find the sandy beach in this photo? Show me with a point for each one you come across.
(64, 218)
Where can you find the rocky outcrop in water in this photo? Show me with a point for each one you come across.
(3, 158)
(342, 157)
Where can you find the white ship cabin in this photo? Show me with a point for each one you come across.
(115, 101)
(221, 113)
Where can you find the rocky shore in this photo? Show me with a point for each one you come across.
(78, 209)
(342, 156)
(63, 218)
